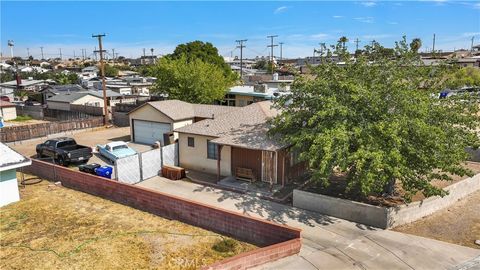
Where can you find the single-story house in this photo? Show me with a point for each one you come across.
(156, 120)
(10, 161)
(237, 142)
(64, 100)
(8, 110)
(53, 90)
(243, 95)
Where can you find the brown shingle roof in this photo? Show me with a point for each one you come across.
(6, 104)
(247, 127)
(179, 110)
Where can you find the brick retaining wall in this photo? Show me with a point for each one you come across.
(277, 241)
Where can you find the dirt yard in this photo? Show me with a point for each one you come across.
(458, 224)
(338, 186)
(58, 228)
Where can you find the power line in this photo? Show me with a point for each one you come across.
(241, 46)
(271, 46)
(281, 50)
(102, 67)
(357, 41)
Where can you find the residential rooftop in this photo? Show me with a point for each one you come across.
(247, 127)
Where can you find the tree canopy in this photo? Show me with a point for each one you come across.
(110, 71)
(204, 51)
(191, 80)
(466, 76)
(377, 123)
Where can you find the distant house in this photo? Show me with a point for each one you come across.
(155, 121)
(8, 110)
(244, 95)
(64, 100)
(10, 161)
(53, 90)
(237, 142)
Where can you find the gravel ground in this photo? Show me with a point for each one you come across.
(458, 224)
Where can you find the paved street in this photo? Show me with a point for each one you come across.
(328, 242)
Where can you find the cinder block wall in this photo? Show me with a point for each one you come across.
(277, 241)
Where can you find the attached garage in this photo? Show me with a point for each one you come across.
(149, 132)
(150, 121)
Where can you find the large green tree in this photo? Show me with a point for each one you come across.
(466, 76)
(377, 123)
(191, 80)
(204, 51)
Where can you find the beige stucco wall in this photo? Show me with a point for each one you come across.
(8, 113)
(245, 98)
(148, 113)
(58, 105)
(195, 158)
(89, 100)
(180, 124)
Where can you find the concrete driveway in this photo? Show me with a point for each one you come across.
(328, 242)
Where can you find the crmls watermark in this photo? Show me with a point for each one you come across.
(186, 262)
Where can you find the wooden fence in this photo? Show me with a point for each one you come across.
(26, 132)
(92, 110)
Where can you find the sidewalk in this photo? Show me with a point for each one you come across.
(328, 242)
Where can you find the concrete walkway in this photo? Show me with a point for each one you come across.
(328, 242)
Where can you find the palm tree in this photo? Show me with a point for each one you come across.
(343, 40)
(415, 44)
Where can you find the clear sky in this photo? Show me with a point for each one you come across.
(131, 26)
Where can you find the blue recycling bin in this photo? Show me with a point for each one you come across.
(104, 171)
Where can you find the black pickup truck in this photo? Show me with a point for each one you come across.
(64, 151)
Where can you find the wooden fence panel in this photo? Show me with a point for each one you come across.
(26, 132)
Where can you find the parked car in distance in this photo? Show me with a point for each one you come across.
(115, 150)
(5, 98)
(32, 103)
(64, 151)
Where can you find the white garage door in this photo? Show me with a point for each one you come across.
(149, 132)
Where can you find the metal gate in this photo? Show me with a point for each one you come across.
(127, 169)
(170, 154)
(151, 163)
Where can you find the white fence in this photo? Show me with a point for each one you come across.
(170, 154)
(127, 169)
(142, 166)
(151, 163)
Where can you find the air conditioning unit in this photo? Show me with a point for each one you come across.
(260, 88)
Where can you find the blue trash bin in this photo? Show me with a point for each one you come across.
(104, 171)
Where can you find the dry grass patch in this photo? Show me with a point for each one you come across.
(58, 228)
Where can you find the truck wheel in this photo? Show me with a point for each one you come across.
(61, 161)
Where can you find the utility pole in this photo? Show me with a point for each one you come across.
(433, 47)
(271, 46)
(241, 46)
(60, 49)
(153, 60)
(41, 49)
(28, 52)
(144, 61)
(102, 68)
(471, 45)
(281, 50)
(113, 54)
(356, 44)
(74, 56)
